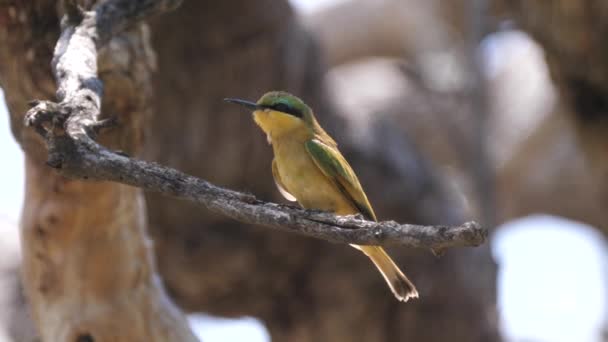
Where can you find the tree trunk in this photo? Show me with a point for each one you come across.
(88, 267)
(15, 324)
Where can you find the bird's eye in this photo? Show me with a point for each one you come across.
(285, 108)
(281, 107)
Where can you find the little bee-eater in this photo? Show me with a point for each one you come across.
(309, 168)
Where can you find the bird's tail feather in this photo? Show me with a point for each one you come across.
(402, 287)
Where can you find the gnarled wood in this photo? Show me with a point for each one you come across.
(88, 265)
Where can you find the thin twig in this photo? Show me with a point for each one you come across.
(67, 126)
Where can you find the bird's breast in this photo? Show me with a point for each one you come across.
(305, 181)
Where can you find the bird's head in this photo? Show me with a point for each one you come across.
(278, 113)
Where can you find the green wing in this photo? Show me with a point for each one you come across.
(329, 160)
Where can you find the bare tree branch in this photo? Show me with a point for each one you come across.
(75, 154)
(75, 61)
(70, 126)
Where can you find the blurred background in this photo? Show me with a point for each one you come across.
(448, 111)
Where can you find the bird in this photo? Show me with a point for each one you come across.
(308, 168)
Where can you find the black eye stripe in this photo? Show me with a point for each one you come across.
(282, 107)
(285, 108)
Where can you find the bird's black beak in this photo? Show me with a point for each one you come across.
(244, 103)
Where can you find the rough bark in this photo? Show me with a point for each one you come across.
(88, 268)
